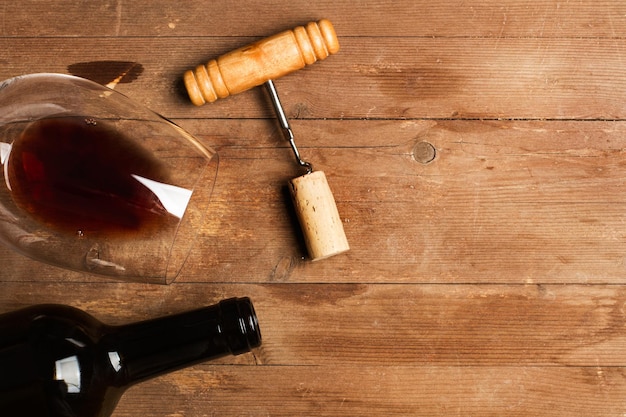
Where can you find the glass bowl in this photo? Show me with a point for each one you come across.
(95, 182)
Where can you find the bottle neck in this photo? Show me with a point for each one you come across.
(151, 348)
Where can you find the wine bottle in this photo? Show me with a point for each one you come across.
(58, 361)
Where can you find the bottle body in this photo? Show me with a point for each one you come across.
(57, 361)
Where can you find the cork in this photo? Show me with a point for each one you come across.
(318, 216)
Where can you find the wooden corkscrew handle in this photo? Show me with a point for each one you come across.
(265, 60)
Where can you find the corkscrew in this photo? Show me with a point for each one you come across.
(259, 64)
(284, 125)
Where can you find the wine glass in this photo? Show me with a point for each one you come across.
(95, 182)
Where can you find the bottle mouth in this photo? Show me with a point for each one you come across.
(241, 326)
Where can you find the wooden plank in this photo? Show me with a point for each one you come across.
(398, 78)
(376, 391)
(391, 325)
(503, 202)
(456, 18)
(523, 349)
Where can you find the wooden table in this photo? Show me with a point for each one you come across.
(489, 281)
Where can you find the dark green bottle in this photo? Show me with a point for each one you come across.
(58, 361)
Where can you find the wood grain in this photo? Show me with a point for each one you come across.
(440, 349)
(487, 281)
(369, 325)
(389, 390)
(374, 18)
(397, 78)
(503, 202)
